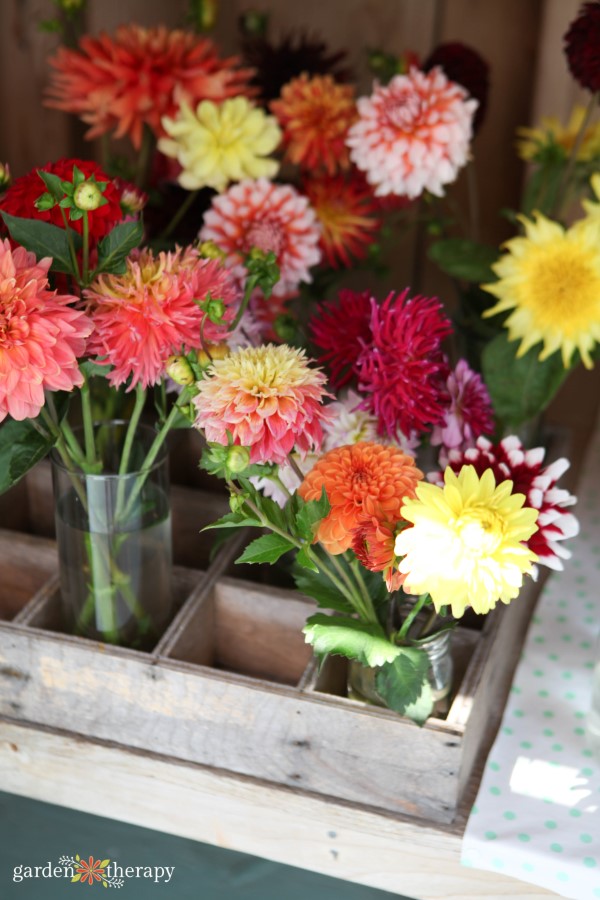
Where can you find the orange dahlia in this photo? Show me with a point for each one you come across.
(347, 211)
(121, 83)
(315, 115)
(362, 481)
(373, 543)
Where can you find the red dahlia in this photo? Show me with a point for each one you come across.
(338, 329)
(582, 47)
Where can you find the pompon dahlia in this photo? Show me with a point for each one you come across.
(470, 413)
(151, 312)
(467, 546)
(315, 114)
(581, 47)
(267, 398)
(216, 144)
(41, 335)
(272, 217)
(348, 214)
(401, 367)
(413, 134)
(20, 198)
(362, 481)
(373, 543)
(338, 328)
(121, 83)
(509, 459)
(465, 66)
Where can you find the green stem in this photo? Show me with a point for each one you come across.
(75, 451)
(88, 423)
(178, 216)
(372, 615)
(412, 615)
(72, 251)
(363, 609)
(140, 400)
(250, 285)
(564, 182)
(144, 158)
(86, 248)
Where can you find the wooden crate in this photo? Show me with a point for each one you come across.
(231, 685)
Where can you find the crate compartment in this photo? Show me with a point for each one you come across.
(27, 564)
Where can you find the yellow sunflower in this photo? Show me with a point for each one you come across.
(552, 131)
(550, 278)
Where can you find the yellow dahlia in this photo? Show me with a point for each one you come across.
(466, 546)
(216, 144)
(552, 131)
(550, 279)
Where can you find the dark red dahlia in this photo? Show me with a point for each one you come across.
(339, 329)
(582, 47)
(466, 67)
(20, 198)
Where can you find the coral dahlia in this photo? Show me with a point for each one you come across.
(270, 217)
(348, 214)
(123, 82)
(41, 335)
(315, 115)
(143, 317)
(267, 398)
(339, 328)
(509, 459)
(413, 134)
(581, 47)
(362, 481)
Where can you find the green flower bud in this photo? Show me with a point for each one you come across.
(236, 502)
(88, 196)
(179, 369)
(45, 202)
(238, 459)
(209, 250)
(5, 176)
(214, 309)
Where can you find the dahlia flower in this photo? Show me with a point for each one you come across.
(271, 217)
(550, 281)
(362, 481)
(348, 214)
(20, 198)
(464, 66)
(581, 47)
(123, 82)
(401, 367)
(509, 459)
(413, 134)
(338, 328)
(267, 398)
(552, 133)
(467, 546)
(143, 317)
(470, 413)
(41, 335)
(373, 544)
(216, 144)
(315, 115)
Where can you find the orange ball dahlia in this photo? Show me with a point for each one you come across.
(121, 83)
(362, 481)
(373, 544)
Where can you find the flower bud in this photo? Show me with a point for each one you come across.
(216, 351)
(5, 176)
(88, 196)
(236, 502)
(209, 250)
(179, 369)
(238, 459)
(214, 309)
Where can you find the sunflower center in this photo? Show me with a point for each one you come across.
(265, 236)
(563, 288)
(480, 530)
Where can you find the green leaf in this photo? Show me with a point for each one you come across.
(233, 520)
(266, 549)
(310, 514)
(368, 643)
(104, 863)
(304, 561)
(113, 249)
(92, 369)
(316, 585)
(21, 447)
(403, 684)
(464, 259)
(44, 239)
(53, 183)
(520, 388)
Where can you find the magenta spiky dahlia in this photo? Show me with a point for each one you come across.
(413, 134)
(469, 414)
(338, 328)
(510, 460)
(271, 217)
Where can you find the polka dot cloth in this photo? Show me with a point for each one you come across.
(537, 814)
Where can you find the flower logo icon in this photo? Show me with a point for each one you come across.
(90, 871)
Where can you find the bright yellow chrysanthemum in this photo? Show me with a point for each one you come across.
(466, 545)
(550, 278)
(221, 142)
(552, 131)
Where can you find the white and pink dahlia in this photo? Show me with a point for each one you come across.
(271, 217)
(413, 134)
(469, 414)
(510, 460)
(152, 311)
(267, 398)
(41, 335)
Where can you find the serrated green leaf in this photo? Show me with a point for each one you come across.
(320, 588)
(403, 684)
(304, 561)
(44, 240)
(265, 549)
(310, 514)
(233, 520)
(464, 259)
(113, 249)
(368, 643)
(92, 369)
(21, 447)
(520, 388)
(53, 184)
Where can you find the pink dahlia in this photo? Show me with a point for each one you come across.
(152, 311)
(271, 217)
(510, 460)
(402, 368)
(339, 329)
(41, 335)
(267, 398)
(470, 412)
(413, 134)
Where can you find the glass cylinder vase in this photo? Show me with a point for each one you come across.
(113, 532)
